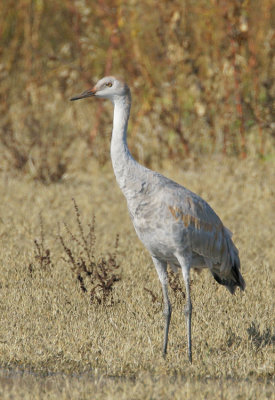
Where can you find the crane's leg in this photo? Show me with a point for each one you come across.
(185, 263)
(161, 268)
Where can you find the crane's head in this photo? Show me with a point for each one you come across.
(107, 87)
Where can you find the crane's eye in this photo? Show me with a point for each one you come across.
(109, 84)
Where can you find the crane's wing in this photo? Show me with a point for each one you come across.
(206, 233)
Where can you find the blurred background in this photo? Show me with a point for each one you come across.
(201, 74)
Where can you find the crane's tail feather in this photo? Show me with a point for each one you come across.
(230, 276)
(232, 281)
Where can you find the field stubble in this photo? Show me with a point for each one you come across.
(55, 343)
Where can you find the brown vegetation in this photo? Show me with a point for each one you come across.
(201, 73)
(101, 273)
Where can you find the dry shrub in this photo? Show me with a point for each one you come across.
(33, 137)
(201, 76)
(258, 339)
(95, 275)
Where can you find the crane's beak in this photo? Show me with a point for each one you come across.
(87, 93)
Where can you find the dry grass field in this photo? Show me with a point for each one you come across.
(55, 344)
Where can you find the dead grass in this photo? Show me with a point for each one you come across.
(142, 387)
(75, 349)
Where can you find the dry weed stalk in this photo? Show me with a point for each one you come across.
(42, 255)
(177, 289)
(176, 285)
(96, 276)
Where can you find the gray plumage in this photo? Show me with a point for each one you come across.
(176, 226)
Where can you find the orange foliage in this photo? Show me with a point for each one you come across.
(201, 72)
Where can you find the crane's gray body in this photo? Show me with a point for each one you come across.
(176, 226)
(169, 219)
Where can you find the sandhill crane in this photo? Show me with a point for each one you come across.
(177, 226)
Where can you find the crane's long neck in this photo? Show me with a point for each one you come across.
(125, 167)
